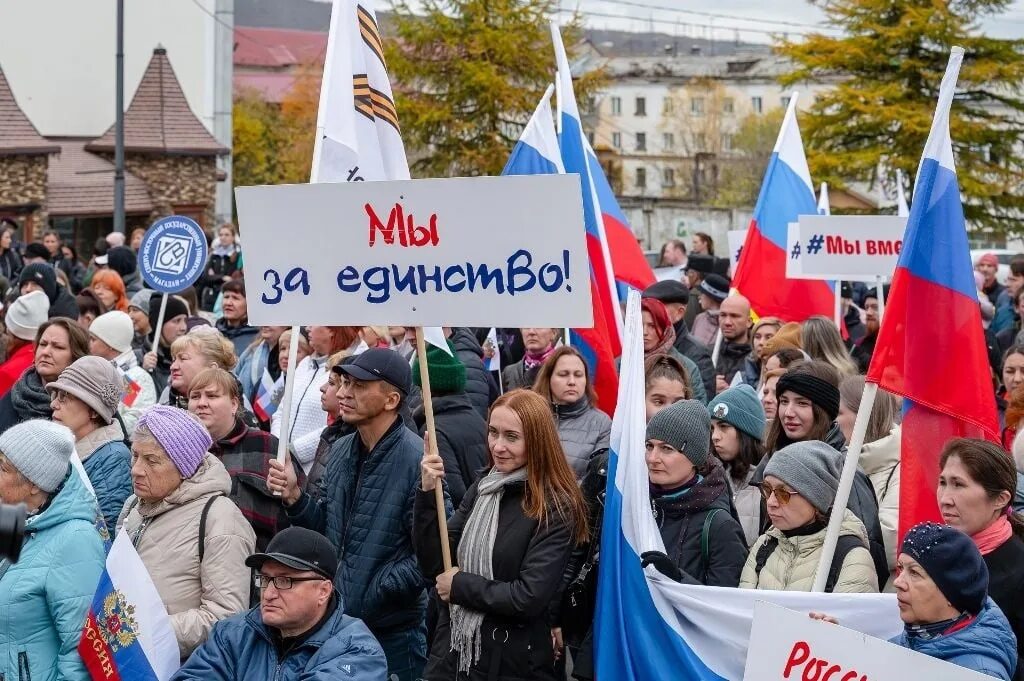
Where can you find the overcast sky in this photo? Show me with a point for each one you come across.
(750, 20)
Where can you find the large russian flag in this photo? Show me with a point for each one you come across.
(650, 627)
(786, 194)
(537, 153)
(572, 145)
(931, 347)
(127, 635)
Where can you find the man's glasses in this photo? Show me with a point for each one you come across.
(281, 582)
(782, 494)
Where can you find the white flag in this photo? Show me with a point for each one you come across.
(491, 345)
(360, 138)
(434, 335)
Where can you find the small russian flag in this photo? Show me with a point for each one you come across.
(264, 405)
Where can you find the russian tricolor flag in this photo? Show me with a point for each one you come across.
(264, 405)
(650, 627)
(786, 194)
(536, 153)
(128, 633)
(931, 346)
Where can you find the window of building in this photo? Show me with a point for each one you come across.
(617, 140)
(697, 106)
(668, 177)
(590, 138)
(641, 178)
(700, 141)
(667, 106)
(785, 102)
(726, 142)
(756, 105)
(728, 106)
(616, 106)
(641, 141)
(641, 106)
(668, 141)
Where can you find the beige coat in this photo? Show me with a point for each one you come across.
(793, 564)
(881, 462)
(166, 535)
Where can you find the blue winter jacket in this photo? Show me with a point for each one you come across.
(987, 645)
(369, 519)
(45, 596)
(109, 467)
(241, 648)
(251, 365)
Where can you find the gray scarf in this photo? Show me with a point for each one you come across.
(29, 398)
(476, 548)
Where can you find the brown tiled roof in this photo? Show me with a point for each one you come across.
(159, 119)
(80, 183)
(17, 134)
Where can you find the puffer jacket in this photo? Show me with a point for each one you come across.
(461, 441)
(241, 336)
(166, 535)
(583, 429)
(45, 596)
(794, 562)
(307, 416)
(747, 501)
(528, 561)
(108, 463)
(986, 645)
(146, 397)
(243, 647)
(732, 359)
(880, 461)
(367, 515)
(480, 387)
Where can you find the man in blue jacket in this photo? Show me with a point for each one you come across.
(364, 505)
(298, 631)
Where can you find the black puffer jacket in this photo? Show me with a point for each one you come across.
(461, 441)
(731, 359)
(481, 388)
(528, 563)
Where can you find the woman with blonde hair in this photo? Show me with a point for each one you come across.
(821, 340)
(201, 348)
(497, 598)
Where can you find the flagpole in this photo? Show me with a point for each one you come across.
(839, 305)
(835, 521)
(428, 412)
(880, 289)
(314, 173)
(717, 349)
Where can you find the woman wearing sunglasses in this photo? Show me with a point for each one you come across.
(799, 487)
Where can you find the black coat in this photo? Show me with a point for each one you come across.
(731, 358)
(481, 388)
(528, 563)
(11, 265)
(688, 346)
(518, 376)
(461, 441)
(1006, 587)
(63, 305)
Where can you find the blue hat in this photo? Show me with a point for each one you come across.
(739, 407)
(953, 561)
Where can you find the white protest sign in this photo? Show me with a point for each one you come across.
(790, 645)
(847, 247)
(481, 251)
(737, 237)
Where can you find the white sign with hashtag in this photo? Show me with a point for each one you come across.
(846, 247)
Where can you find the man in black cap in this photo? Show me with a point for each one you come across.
(676, 298)
(123, 260)
(42, 277)
(698, 266)
(299, 629)
(363, 504)
(711, 292)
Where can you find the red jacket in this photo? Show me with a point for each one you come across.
(15, 366)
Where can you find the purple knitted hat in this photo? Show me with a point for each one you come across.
(180, 433)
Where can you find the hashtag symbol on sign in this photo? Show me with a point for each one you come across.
(795, 253)
(814, 244)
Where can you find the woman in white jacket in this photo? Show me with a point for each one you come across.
(880, 456)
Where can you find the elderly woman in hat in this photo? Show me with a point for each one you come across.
(191, 537)
(85, 398)
(45, 594)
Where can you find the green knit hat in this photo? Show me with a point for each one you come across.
(447, 373)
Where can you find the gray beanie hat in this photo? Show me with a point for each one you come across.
(811, 468)
(739, 407)
(40, 450)
(686, 426)
(95, 381)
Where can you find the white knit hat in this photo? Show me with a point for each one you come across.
(27, 314)
(115, 329)
(40, 450)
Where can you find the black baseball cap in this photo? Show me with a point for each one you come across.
(668, 291)
(381, 364)
(300, 549)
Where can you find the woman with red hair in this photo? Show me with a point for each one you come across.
(660, 338)
(109, 288)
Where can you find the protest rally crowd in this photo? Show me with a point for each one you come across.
(329, 565)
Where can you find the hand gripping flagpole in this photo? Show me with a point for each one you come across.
(428, 412)
(314, 172)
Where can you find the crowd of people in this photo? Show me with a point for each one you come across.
(328, 564)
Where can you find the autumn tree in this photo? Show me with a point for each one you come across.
(885, 64)
(467, 74)
(742, 171)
